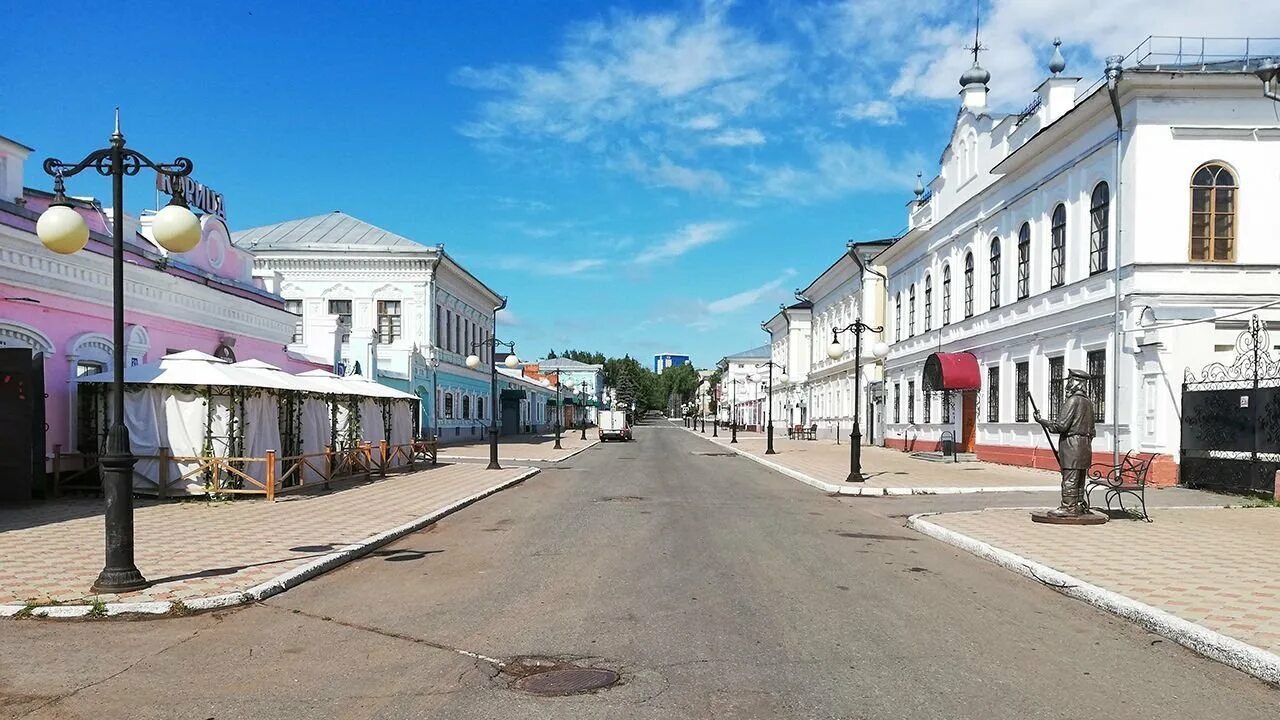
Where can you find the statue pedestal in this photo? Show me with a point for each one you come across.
(1092, 518)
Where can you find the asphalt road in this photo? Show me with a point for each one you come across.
(717, 588)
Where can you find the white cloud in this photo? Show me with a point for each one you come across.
(666, 173)
(738, 137)
(508, 318)
(880, 112)
(837, 169)
(549, 266)
(628, 71)
(703, 122)
(687, 238)
(771, 291)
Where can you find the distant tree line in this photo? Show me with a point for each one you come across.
(636, 383)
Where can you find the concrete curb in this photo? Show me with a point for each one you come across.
(562, 458)
(864, 491)
(1242, 656)
(275, 585)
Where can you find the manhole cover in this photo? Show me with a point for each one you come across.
(566, 681)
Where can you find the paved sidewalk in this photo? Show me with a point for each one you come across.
(1213, 567)
(524, 448)
(202, 549)
(825, 465)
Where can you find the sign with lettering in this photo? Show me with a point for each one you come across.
(198, 196)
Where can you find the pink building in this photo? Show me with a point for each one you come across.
(60, 305)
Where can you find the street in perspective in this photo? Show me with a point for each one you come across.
(687, 359)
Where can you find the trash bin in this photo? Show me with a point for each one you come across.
(948, 446)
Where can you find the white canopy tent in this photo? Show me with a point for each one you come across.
(200, 406)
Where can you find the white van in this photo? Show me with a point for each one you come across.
(614, 426)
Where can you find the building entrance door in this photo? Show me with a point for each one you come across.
(968, 421)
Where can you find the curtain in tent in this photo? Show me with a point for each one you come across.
(143, 413)
(261, 432)
(371, 429)
(315, 434)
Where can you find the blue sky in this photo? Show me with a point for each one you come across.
(636, 177)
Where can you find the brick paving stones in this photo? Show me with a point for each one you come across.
(52, 551)
(1210, 566)
(884, 468)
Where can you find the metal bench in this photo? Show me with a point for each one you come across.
(1116, 481)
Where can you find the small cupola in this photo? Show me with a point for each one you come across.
(973, 84)
(1058, 92)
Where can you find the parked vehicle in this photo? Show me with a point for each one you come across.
(614, 425)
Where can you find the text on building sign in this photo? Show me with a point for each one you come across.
(205, 199)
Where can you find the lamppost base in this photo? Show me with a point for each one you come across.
(493, 466)
(855, 478)
(119, 580)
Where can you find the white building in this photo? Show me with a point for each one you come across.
(1010, 264)
(410, 315)
(743, 387)
(851, 290)
(791, 346)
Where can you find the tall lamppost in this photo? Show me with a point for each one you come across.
(715, 417)
(583, 385)
(733, 412)
(473, 362)
(782, 379)
(559, 410)
(63, 230)
(434, 362)
(835, 351)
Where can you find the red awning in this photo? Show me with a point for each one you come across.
(952, 371)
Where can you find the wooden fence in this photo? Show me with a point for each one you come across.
(229, 475)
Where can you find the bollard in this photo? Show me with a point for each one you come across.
(271, 476)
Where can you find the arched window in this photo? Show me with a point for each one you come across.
(946, 294)
(968, 285)
(928, 303)
(897, 318)
(466, 407)
(995, 273)
(1213, 214)
(911, 310)
(1099, 224)
(1024, 261)
(1058, 247)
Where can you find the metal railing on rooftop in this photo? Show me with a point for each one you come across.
(1189, 54)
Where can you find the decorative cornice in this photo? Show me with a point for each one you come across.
(87, 276)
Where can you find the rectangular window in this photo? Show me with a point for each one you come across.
(927, 401)
(457, 339)
(946, 406)
(448, 331)
(1097, 362)
(1024, 270)
(342, 308)
(439, 338)
(1022, 385)
(388, 320)
(897, 402)
(911, 401)
(295, 307)
(448, 406)
(993, 394)
(1056, 367)
(897, 319)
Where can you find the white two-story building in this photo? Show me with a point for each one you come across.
(373, 302)
(851, 290)
(1126, 227)
(791, 347)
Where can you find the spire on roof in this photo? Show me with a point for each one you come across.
(976, 75)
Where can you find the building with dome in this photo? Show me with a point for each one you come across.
(1116, 226)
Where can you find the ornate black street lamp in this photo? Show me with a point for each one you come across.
(715, 418)
(733, 412)
(63, 230)
(584, 409)
(559, 410)
(835, 351)
(473, 362)
(782, 379)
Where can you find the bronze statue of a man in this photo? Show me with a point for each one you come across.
(1074, 426)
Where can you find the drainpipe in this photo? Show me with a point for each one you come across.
(808, 387)
(433, 360)
(1114, 71)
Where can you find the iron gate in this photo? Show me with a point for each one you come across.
(1231, 419)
